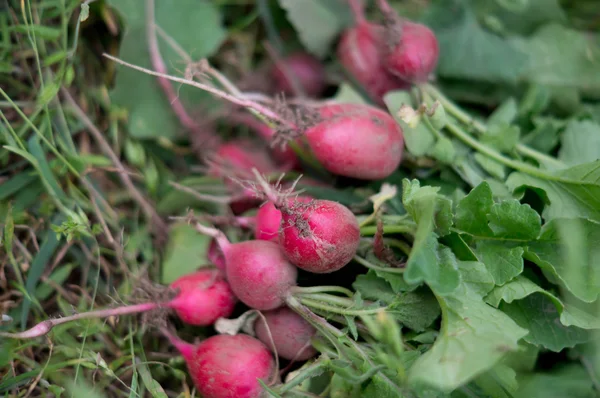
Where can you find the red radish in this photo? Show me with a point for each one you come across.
(290, 332)
(204, 296)
(360, 51)
(318, 236)
(413, 49)
(234, 159)
(321, 236)
(358, 141)
(286, 157)
(268, 221)
(225, 366)
(307, 71)
(241, 155)
(257, 270)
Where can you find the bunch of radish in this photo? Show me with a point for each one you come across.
(291, 232)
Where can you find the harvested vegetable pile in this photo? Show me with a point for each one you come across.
(300, 198)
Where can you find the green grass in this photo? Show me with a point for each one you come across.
(74, 237)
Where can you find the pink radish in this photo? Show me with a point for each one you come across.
(305, 69)
(360, 51)
(412, 48)
(202, 297)
(290, 332)
(257, 270)
(234, 159)
(268, 221)
(319, 236)
(225, 366)
(285, 157)
(358, 141)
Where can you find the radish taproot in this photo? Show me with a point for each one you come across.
(200, 299)
(299, 72)
(290, 334)
(357, 141)
(412, 49)
(360, 51)
(225, 366)
(257, 270)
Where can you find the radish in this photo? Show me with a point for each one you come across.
(360, 51)
(355, 140)
(234, 159)
(318, 236)
(202, 297)
(257, 270)
(412, 49)
(240, 155)
(301, 69)
(225, 366)
(268, 221)
(285, 157)
(290, 332)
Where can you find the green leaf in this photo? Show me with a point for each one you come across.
(443, 150)
(433, 264)
(570, 381)
(519, 16)
(560, 56)
(196, 27)
(580, 142)
(48, 93)
(522, 287)
(419, 140)
(153, 386)
(493, 167)
(472, 211)
(467, 51)
(474, 337)
(568, 249)
(498, 382)
(372, 287)
(538, 314)
(505, 114)
(513, 220)
(502, 136)
(475, 275)
(574, 192)
(417, 201)
(318, 22)
(416, 310)
(503, 262)
(185, 252)
(347, 94)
